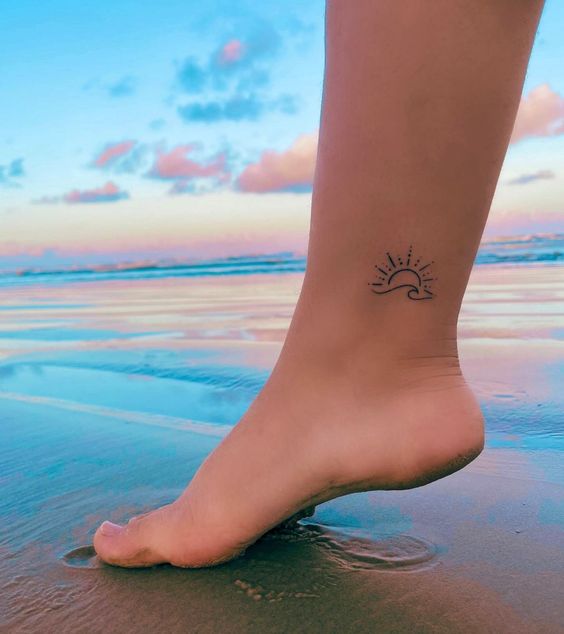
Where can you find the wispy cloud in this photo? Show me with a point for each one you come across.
(122, 157)
(233, 109)
(236, 108)
(541, 114)
(191, 77)
(107, 193)
(123, 87)
(231, 53)
(291, 170)
(525, 179)
(112, 153)
(232, 82)
(11, 172)
(187, 173)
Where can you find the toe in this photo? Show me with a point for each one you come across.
(132, 545)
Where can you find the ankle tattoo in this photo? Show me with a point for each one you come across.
(404, 272)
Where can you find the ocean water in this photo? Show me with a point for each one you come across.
(115, 385)
(542, 249)
(189, 346)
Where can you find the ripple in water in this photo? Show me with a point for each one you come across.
(82, 557)
(356, 549)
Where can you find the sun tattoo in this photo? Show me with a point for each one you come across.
(404, 272)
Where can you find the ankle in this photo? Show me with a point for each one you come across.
(348, 324)
(388, 369)
(354, 351)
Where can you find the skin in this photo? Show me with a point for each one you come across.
(418, 106)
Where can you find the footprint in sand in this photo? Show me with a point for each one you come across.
(358, 549)
(83, 557)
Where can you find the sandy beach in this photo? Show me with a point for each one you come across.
(113, 391)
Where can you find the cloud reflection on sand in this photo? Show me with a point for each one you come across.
(225, 333)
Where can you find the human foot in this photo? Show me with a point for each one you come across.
(311, 435)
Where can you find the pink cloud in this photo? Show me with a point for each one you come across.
(12, 249)
(515, 222)
(112, 152)
(177, 166)
(525, 179)
(231, 52)
(291, 170)
(109, 192)
(541, 114)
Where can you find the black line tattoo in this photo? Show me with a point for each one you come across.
(409, 276)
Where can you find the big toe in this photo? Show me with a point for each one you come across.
(132, 545)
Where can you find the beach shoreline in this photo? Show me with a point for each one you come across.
(113, 392)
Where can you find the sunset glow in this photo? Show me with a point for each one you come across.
(194, 131)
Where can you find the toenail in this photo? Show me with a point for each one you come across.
(109, 529)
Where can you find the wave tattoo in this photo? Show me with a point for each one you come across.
(404, 273)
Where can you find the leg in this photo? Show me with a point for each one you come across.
(418, 106)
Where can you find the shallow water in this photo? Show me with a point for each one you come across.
(113, 391)
(183, 352)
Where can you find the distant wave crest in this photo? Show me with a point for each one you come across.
(545, 248)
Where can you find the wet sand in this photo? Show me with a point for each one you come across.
(111, 394)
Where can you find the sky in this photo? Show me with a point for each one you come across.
(135, 129)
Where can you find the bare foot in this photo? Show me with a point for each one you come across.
(314, 433)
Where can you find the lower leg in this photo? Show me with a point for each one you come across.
(418, 105)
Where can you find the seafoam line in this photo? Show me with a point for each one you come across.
(142, 418)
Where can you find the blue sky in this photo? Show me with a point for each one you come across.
(126, 127)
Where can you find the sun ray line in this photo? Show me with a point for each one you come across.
(381, 270)
(426, 266)
(391, 261)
